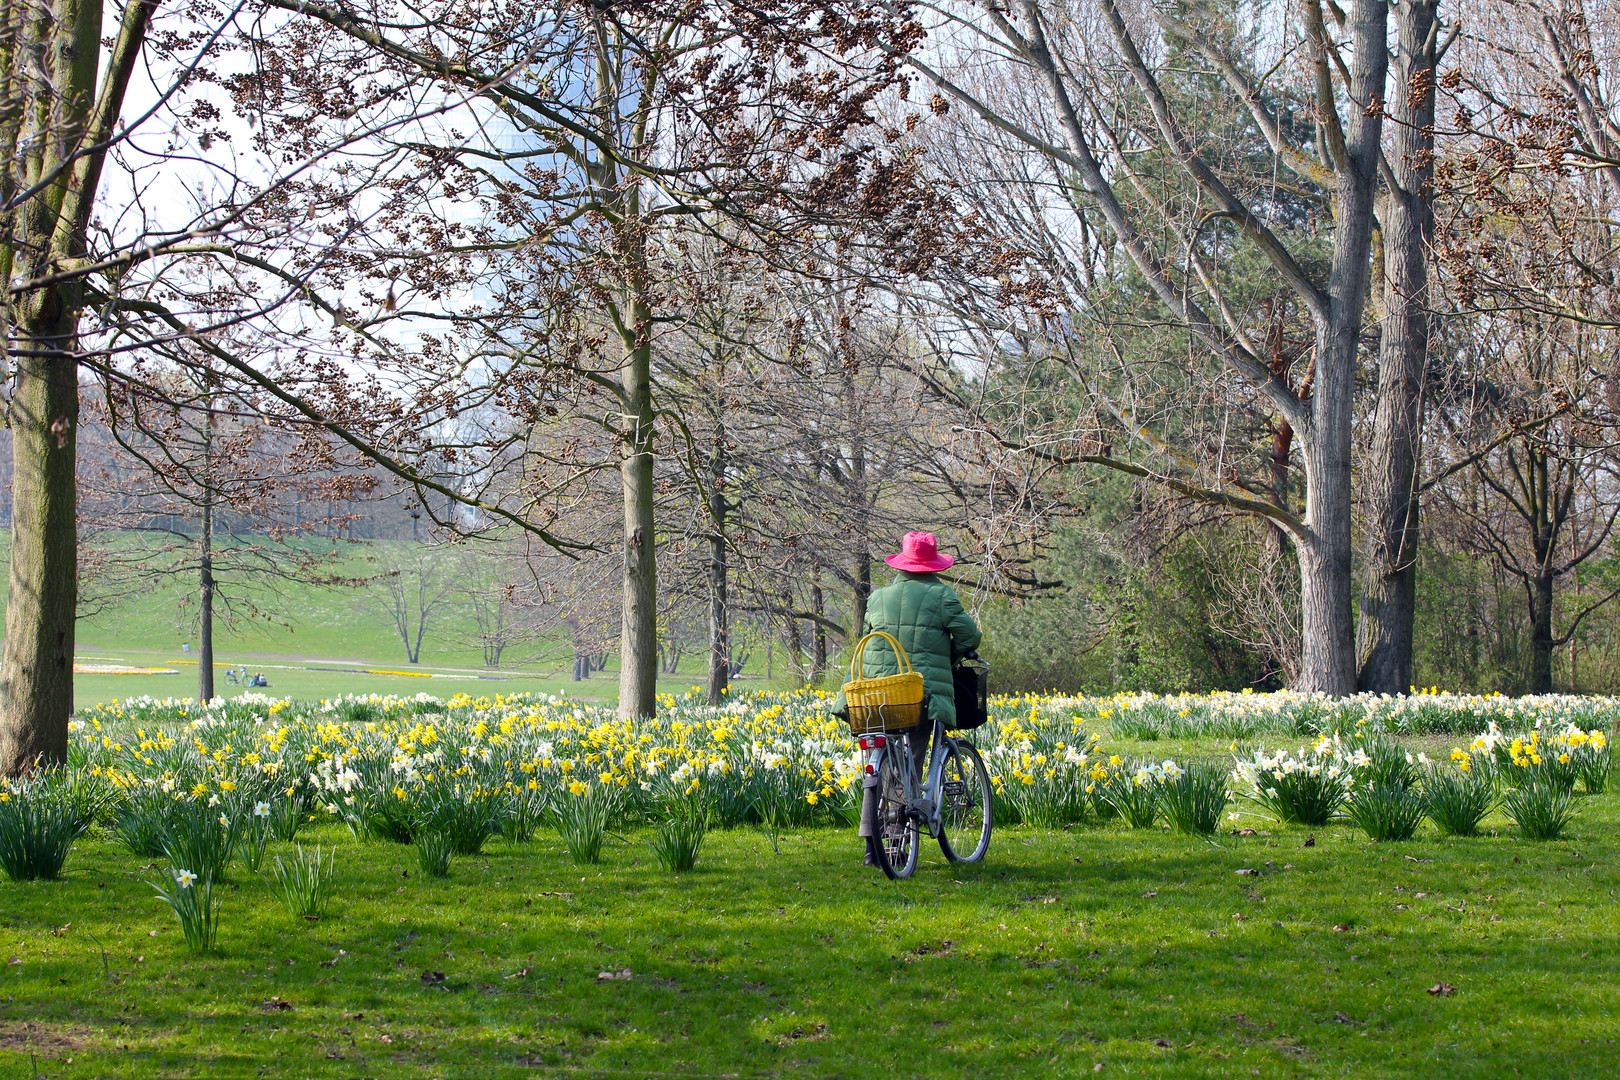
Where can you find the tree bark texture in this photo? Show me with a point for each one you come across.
(1542, 640)
(638, 635)
(1327, 639)
(205, 599)
(61, 44)
(719, 622)
(1389, 586)
(36, 672)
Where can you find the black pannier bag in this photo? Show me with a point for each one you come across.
(972, 678)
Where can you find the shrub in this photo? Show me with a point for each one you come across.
(192, 898)
(1385, 763)
(89, 795)
(254, 835)
(1044, 770)
(582, 817)
(38, 825)
(1193, 798)
(143, 819)
(1540, 810)
(200, 838)
(433, 851)
(286, 815)
(1305, 789)
(1457, 800)
(466, 812)
(678, 840)
(525, 812)
(1133, 793)
(1385, 811)
(304, 882)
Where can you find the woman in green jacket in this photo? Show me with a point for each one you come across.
(927, 618)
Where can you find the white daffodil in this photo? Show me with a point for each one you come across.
(261, 809)
(185, 878)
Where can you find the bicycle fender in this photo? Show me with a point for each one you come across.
(870, 779)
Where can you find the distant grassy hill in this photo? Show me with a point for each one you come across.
(318, 642)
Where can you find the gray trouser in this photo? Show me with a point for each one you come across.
(918, 738)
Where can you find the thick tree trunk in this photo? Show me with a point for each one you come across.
(54, 116)
(36, 668)
(1541, 634)
(638, 637)
(1389, 587)
(1327, 632)
(1327, 641)
(36, 672)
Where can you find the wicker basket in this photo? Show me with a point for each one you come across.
(889, 703)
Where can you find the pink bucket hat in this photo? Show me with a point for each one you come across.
(919, 552)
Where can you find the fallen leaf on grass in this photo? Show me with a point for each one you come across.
(1411, 858)
(432, 978)
(624, 975)
(1442, 990)
(1149, 895)
(1244, 832)
(554, 894)
(14, 960)
(1310, 841)
(1341, 928)
(276, 1004)
(1343, 1019)
(1240, 917)
(523, 974)
(1248, 871)
(1163, 1042)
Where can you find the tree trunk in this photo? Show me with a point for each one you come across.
(818, 604)
(53, 133)
(1541, 634)
(205, 602)
(863, 589)
(36, 673)
(795, 647)
(1389, 587)
(1327, 631)
(719, 625)
(638, 637)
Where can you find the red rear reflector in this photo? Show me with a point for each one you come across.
(872, 742)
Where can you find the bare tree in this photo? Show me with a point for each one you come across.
(193, 484)
(415, 587)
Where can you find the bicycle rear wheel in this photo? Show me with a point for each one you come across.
(896, 828)
(967, 812)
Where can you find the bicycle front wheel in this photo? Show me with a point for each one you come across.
(896, 827)
(966, 809)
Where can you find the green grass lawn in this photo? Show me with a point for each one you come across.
(1142, 953)
(291, 675)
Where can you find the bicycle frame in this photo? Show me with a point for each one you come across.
(925, 803)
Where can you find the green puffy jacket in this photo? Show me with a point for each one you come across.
(927, 616)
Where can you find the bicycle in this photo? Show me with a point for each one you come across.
(952, 802)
